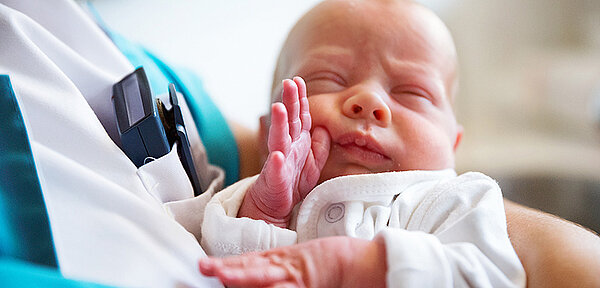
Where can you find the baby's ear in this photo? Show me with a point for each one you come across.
(459, 134)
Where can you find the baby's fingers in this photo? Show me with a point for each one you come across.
(288, 284)
(304, 111)
(210, 266)
(279, 136)
(253, 276)
(292, 104)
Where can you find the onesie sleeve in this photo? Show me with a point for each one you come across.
(224, 234)
(457, 237)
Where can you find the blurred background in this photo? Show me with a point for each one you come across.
(529, 94)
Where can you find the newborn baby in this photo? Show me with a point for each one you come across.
(361, 144)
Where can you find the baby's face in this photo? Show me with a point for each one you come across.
(379, 79)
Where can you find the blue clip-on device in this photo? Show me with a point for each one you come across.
(147, 128)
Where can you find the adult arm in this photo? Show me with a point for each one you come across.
(553, 251)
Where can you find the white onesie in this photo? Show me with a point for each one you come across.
(440, 229)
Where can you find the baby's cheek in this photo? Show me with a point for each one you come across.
(316, 114)
(324, 110)
(434, 154)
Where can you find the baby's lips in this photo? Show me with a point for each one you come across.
(364, 141)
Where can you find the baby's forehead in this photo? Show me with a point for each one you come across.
(370, 10)
(388, 23)
(389, 18)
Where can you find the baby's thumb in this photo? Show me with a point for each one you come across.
(321, 142)
(315, 161)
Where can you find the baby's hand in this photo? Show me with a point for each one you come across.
(294, 164)
(325, 262)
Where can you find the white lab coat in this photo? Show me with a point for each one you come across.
(111, 223)
(440, 230)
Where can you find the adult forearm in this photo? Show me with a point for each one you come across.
(554, 252)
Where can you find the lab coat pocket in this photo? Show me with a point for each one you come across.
(165, 179)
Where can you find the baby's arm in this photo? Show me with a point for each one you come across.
(325, 262)
(295, 160)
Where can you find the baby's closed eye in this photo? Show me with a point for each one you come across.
(324, 82)
(410, 91)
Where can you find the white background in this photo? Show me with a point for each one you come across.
(232, 44)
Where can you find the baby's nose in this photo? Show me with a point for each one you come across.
(368, 106)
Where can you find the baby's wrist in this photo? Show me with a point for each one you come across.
(251, 210)
(367, 266)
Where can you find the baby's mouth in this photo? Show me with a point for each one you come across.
(363, 148)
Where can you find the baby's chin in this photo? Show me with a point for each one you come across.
(330, 172)
(327, 174)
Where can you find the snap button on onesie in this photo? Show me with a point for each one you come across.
(335, 212)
